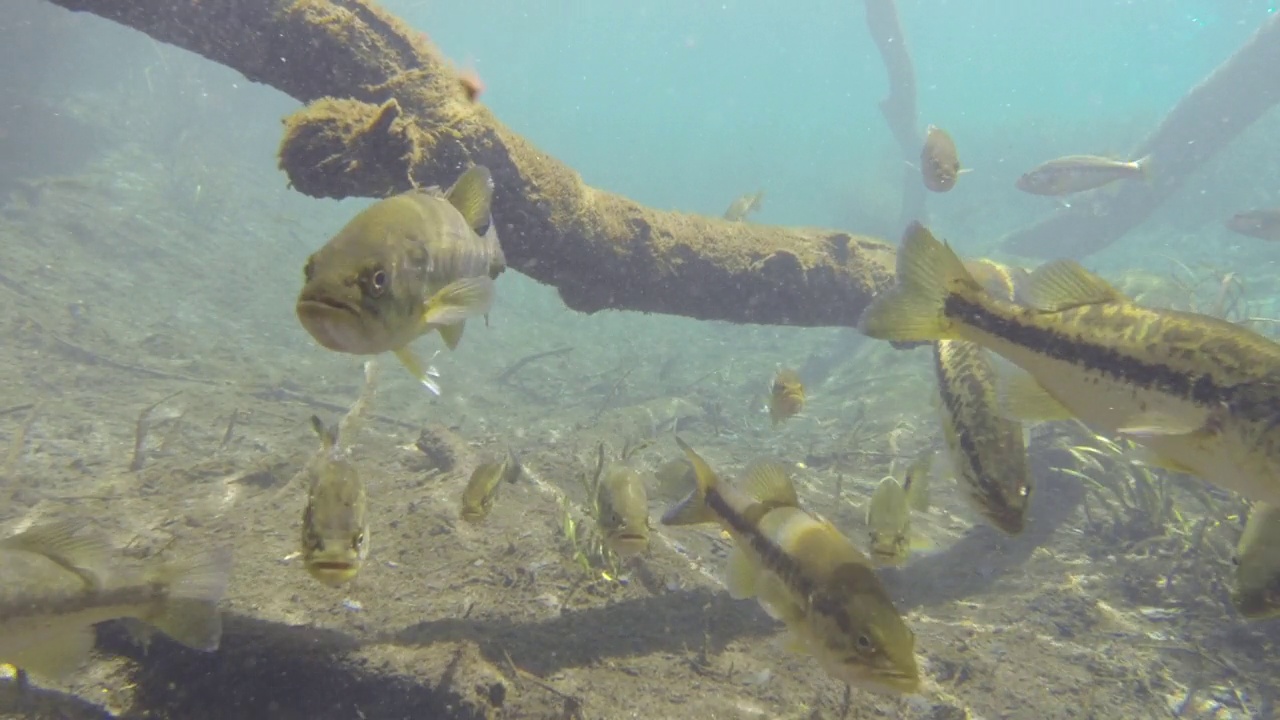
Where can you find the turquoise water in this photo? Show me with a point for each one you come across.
(150, 245)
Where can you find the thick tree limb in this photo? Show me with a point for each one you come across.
(388, 112)
(1203, 122)
(899, 107)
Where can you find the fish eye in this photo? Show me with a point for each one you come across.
(1235, 560)
(309, 270)
(378, 282)
(357, 541)
(864, 642)
(315, 542)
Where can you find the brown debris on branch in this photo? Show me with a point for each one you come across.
(1202, 123)
(899, 107)
(388, 113)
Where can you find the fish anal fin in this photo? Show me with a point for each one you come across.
(741, 575)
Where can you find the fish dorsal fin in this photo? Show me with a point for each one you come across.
(767, 482)
(1065, 284)
(472, 196)
(64, 543)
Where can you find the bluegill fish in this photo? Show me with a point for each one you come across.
(1077, 173)
(744, 206)
(335, 525)
(939, 164)
(1200, 394)
(420, 261)
(1261, 224)
(786, 396)
(482, 489)
(1257, 591)
(60, 581)
(805, 574)
(622, 511)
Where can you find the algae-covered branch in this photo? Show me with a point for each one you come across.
(387, 112)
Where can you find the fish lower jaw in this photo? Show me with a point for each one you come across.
(337, 328)
(333, 573)
(628, 545)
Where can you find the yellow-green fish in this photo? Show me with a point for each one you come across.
(1077, 173)
(806, 574)
(1201, 394)
(335, 525)
(622, 511)
(1261, 224)
(786, 396)
(59, 581)
(674, 477)
(987, 449)
(482, 488)
(1257, 591)
(420, 261)
(939, 164)
(745, 205)
(889, 513)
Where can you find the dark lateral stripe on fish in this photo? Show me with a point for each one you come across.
(951, 400)
(1094, 357)
(774, 557)
(54, 605)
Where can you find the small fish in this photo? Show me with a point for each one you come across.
(1257, 591)
(335, 525)
(1077, 173)
(1198, 393)
(939, 164)
(59, 582)
(745, 205)
(889, 513)
(622, 511)
(805, 574)
(482, 488)
(1261, 224)
(786, 396)
(420, 261)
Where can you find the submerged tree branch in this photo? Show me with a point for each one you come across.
(386, 112)
(899, 106)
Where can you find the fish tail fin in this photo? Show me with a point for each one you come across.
(1144, 167)
(913, 310)
(456, 302)
(189, 611)
(693, 509)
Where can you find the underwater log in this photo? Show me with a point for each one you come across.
(386, 112)
(899, 106)
(1203, 122)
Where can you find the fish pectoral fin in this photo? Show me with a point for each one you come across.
(472, 195)
(56, 655)
(1023, 398)
(741, 575)
(457, 301)
(189, 613)
(426, 376)
(1063, 284)
(791, 643)
(452, 334)
(767, 482)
